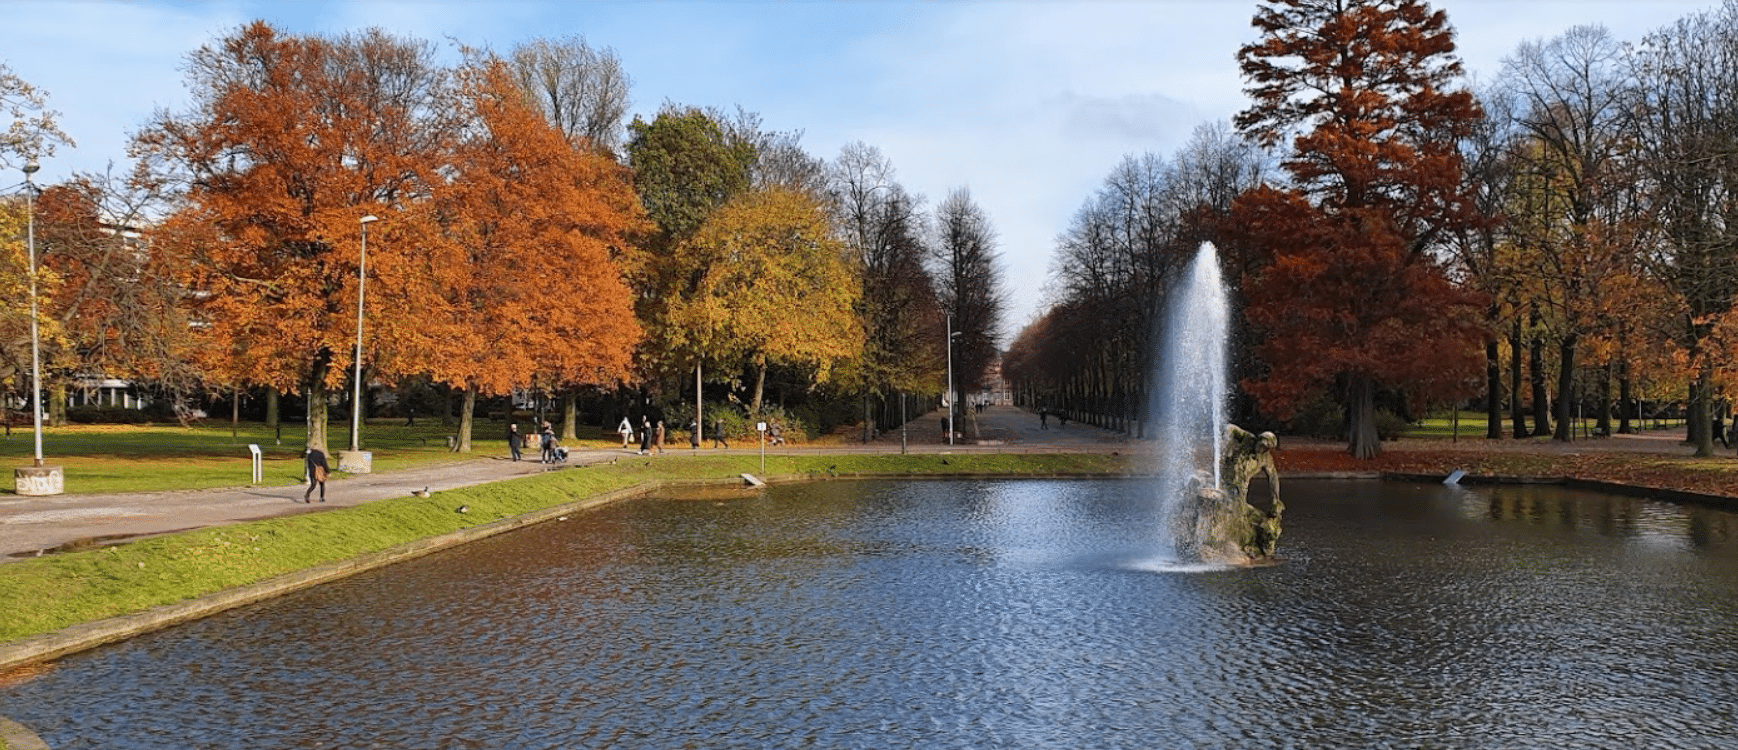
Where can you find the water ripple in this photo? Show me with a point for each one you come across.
(968, 615)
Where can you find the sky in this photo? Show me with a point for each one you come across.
(1026, 104)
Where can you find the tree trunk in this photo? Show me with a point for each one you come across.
(317, 416)
(1626, 399)
(1493, 390)
(1565, 390)
(467, 418)
(1518, 414)
(1541, 396)
(1362, 440)
(1700, 415)
(272, 417)
(448, 396)
(569, 415)
(759, 387)
(57, 396)
(1603, 425)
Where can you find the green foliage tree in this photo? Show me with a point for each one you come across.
(766, 282)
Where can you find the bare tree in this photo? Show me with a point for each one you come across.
(32, 132)
(970, 284)
(582, 89)
(901, 318)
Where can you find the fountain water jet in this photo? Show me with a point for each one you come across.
(1202, 509)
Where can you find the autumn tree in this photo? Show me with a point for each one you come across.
(580, 89)
(119, 300)
(15, 352)
(290, 141)
(765, 281)
(1687, 100)
(1352, 295)
(1575, 210)
(540, 299)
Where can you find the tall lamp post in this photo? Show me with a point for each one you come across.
(948, 397)
(36, 479)
(359, 463)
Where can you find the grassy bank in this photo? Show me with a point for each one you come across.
(50, 593)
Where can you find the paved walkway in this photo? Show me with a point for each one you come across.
(30, 525)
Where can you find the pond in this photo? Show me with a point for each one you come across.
(969, 614)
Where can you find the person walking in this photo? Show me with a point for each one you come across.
(693, 434)
(515, 440)
(547, 436)
(626, 429)
(1043, 419)
(317, 473)
(659, 439)
(718, 434)
(645, 435)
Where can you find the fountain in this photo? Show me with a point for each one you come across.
(1204, 463)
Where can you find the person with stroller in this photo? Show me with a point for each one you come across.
(547, 436)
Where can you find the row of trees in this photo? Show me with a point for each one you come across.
(1580, 205)
(521, 238)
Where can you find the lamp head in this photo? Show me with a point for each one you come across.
(30, 168)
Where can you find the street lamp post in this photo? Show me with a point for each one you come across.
(37, 479)
(948, 396)
(359, 461)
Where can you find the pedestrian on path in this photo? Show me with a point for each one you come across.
(626, 429)
(317, 473)
(718, 434)
(693, 434)
(515, 440)
(1043, 419)
(645, 435)
(660, 437)
(547, 438)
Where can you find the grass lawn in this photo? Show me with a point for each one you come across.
(127, 458)
(1472, 426)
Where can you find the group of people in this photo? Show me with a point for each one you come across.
(550, 449)
(651, 434)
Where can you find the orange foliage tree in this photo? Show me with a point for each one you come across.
(541, 225)
(290, 141)
(1351, 294)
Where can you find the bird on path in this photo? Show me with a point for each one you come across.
(420, 493)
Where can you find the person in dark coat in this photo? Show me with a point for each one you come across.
(547, 434)
(693, 434)
(718, 434)
(317, 473)
(515, 440)
(645, 435)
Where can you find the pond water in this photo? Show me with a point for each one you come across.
(969, 614)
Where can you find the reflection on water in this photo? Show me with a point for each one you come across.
(1028, 614)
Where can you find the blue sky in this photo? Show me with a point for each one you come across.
(1027, 104)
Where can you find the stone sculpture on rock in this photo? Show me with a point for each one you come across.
(1223, 526)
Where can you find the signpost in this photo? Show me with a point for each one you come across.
(761, 426)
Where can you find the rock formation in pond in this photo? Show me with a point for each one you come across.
(1223, 526)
